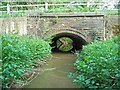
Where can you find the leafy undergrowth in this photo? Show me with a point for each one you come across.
(19, 55)
(98, 65)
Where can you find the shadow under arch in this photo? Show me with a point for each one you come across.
(78, 40)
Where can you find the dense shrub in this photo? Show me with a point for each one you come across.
(19, 54)
(98, 65)
(0, 63)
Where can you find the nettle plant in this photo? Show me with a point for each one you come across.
(19, 54)
(98, 65)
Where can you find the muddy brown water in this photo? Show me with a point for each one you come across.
(55, 72)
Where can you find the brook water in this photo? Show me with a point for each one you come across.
(55, 72)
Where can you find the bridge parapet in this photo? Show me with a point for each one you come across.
(86, 25)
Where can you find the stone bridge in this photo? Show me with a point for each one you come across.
(80, 27)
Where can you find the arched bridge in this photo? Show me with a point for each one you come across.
(80, 27)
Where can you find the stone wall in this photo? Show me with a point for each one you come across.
(14, 25)
(110, 21)
(48, 25)
(51, 24)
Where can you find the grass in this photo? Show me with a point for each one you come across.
(60, 10)
(110, 12)
(18, 14)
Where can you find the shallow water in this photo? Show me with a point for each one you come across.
(55, 72)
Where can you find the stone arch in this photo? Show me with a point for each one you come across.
(72, 31)
(78, 38)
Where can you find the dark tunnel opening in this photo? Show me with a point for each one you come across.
(77, 42)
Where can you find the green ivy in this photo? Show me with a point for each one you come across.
(19, 54)
(98, 65)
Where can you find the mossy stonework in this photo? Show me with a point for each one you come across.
(83, 25)
(67, 24)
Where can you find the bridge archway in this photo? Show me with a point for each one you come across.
(80, 27)
(78, 40)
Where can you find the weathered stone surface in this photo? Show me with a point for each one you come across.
(14, 25)
(81, 24)
(110, 21)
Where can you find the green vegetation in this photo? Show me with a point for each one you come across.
(98, 65)
(0, 63)
(110, 12)
(60, 10)
(71, 9)
(51, 9)
(12, 14)
(64, 44)
(20, 55)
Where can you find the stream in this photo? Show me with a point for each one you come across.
(55, 72)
